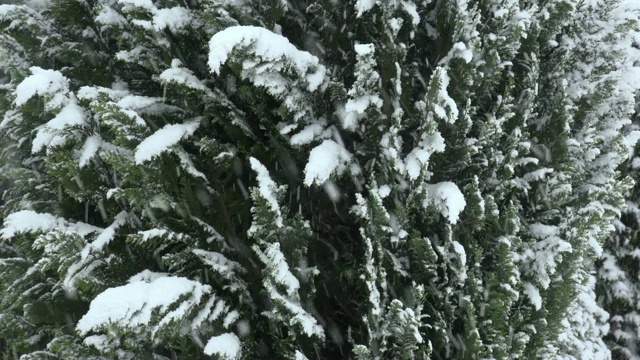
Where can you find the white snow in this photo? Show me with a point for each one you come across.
(49, 134)
(364, 49)
(163, 139)
(130, 5)
(89, 149)
(175, 19)
(107, 235)
(132, 305)
(447, 198)
(324, 160)
(272, 49)
(26, 221)
(362, 6)
(459, 249)
(533, 294)
(444, 106)
(183, 76)
(418, 159)
(226, 346)
(109, 17)
(267, 188)
(545, 252)
(218, 262)
(308, 134)
(410, 8)
(275, 260)
(43, 82)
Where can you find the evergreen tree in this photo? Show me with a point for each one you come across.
(618, 283)
(295, 179)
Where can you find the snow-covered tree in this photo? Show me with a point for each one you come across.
(294, 179)
(618, 286)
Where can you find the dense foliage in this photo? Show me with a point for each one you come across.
(294, 179)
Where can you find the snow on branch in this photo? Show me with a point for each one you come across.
(28, 221)
(163, 139)
(227, 346)
(135, 305)
(269, 60)
(447, 198)
(325, 159)
(267, 189)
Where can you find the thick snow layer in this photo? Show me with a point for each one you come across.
(325, 159)
(30, 221)
(226, 346)
(270, 48)
(362, 6)
(163, 139)
(43, 82)
(132, 305)
(533, 294)
(267, 188)
(447, 198)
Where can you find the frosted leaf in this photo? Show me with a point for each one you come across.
(175, 19)
(107, 235)
(545, 252)
(447, 198)
(417, 160)
(226, 346)
(363, 94)
(182, 76)
(218, 262)
(132, 305)
(277, 265)
(444, 106)
(108, 17)
(70, 115)
(308, 134)
(267, 189)
(361, 104)
(585, 327)
(163, 139)
(324, 160)
(130, 5)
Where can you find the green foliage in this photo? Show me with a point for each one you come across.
(299, 180)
